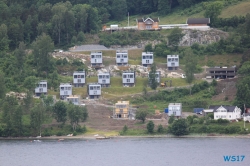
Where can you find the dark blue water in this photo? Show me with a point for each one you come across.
(124, 152)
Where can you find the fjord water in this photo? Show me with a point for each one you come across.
(124, 152)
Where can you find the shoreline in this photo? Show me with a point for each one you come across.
(89, 137)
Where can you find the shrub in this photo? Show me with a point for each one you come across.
(160, 129)
(171, 119)
(233, 129)
(59, 133)
(74, 133)
(179, 127)
(222, 121)
(150, 127)
(196, 120)
(125, 129)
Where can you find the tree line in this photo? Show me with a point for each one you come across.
(26, 117)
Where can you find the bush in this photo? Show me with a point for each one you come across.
(46, 133)
(222, 121)
(171, 119)
(80, 129)
(59, 133)
(74, 133)
(160, 129)
(179, 127)
(233, 129)
(196, 120)
(150, 127)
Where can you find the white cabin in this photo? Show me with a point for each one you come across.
(173, 62)
(128, 78)
(65, 90)
(174, 109)
(122, 57)
(79, 78)
(41, 88)
(96, 58)
(94, 90)
(147, 58)
(75, 99)
(104, 79)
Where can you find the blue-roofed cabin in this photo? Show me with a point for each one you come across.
(198, 110)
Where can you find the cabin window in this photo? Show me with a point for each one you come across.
(124, 76)
(75, 76)
(131, 76)
(82, 76)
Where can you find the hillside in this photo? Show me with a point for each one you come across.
(179, 16)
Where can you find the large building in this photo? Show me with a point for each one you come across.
(65, 90)
(221, 72)
(41, 88)
(96, 59)
(94, 90)
(122, 57)
(174, 109)
(121, 110)
(79, 78)
(226, 112)
(148, 23)
(147, 58)
(173, 62)
(104, 79)
(128, 78)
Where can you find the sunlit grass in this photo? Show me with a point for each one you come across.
(92, 132)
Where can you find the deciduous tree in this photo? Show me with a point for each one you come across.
(179, 127)
(60, 112)
(152, 77)
(76, 114)
(141, 115)
(190, 65)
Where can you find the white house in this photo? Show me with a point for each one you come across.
(147, 58)
(246, 117)
(79, 78)
(75, 99)
(226, 112)
(94, 90)
(128, 78)
(173, 62)
(65, 90)
(104, 79)
(174, 109)
(96, 58)
(122, 57)
(41, 88)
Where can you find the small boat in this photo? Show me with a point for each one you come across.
(37, 141)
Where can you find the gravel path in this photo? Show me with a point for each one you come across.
(89, 48)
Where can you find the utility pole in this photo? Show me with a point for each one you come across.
(128, 19)
(244, 116)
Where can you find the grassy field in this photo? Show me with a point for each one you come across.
(220, 60)
(116, 90)
(240, 9)
(178, 16)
